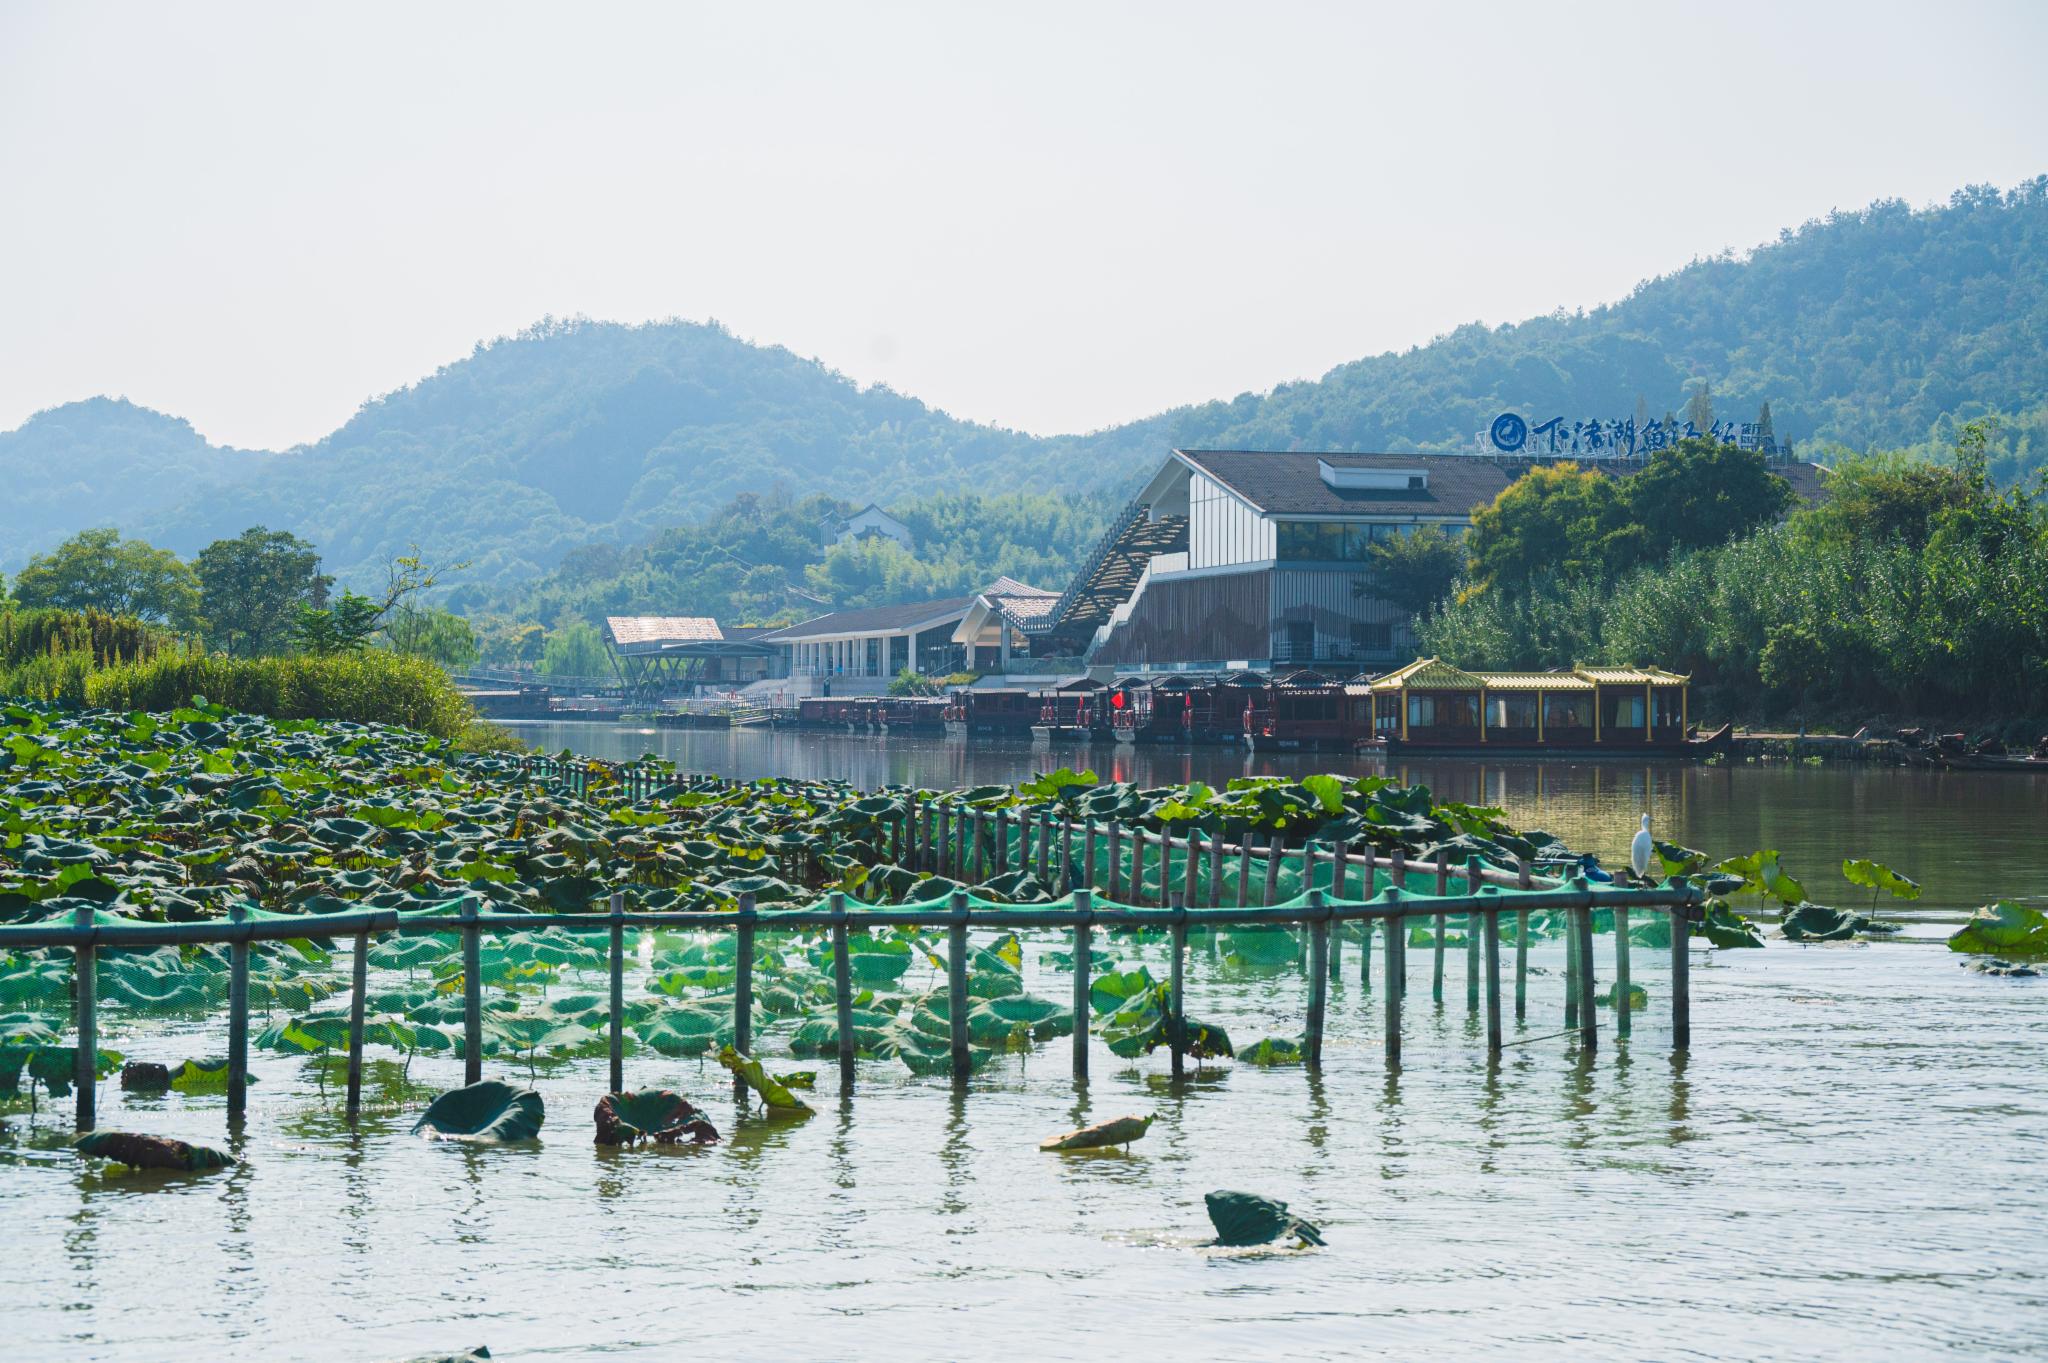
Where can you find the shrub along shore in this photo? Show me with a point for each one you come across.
(98, 661)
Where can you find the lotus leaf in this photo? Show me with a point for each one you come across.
(772, 1092)
(2005, 929)
(1638, 997)
(1819, 923)
(1273, 1051)
(486, 1113)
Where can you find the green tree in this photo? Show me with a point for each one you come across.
(98, 570)
(436, 635)
(347, 626)
(1699, 408)
(575, 650)
(1555, 521)
(1414, 571)
(1701, 492)
(251, 588)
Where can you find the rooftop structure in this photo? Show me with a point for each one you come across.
(657, 655)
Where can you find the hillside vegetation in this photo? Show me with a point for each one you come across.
(1880, 328)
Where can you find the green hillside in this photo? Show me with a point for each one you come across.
(1883, 327)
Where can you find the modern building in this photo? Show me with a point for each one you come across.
(1430, 703)
(1229, 558)
(875, 642)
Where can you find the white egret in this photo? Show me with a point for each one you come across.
(1641, 850)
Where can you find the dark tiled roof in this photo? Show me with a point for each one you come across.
(874, 620)
(1290, 483)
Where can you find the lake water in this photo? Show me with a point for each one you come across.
(1848, 1164)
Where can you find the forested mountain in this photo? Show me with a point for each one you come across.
(1877, 328)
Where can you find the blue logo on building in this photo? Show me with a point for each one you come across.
(1509, 432)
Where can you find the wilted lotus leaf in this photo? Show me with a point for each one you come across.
(152, 1152)
(1118, 1131)
(651, 1115)
(1248, 1219)
(772, 1092)
(490, 1112)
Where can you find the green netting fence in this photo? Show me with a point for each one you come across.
(836, 980)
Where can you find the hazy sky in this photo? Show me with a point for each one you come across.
(1051, 217)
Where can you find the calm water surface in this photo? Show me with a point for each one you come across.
(1849, 1164)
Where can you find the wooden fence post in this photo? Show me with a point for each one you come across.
(1681, 974)
(1622, 1007)
(1066, 880)
(842, 988)
(980, 846)
(1177, 1022)
(1523, 881)
(359, 985)
(1244, 867)
(1273, 869)
(956, 987)
(1473, 880)
(1489, 925)
(472, 994)
(1191, 892)
(1088, 856)
(1318, 977)
(1084, 942)
(85, 968)
(1589, 1016)
(1367, 888)
(1045, 846)
(1216, 870)
(616, 1031)
(1443, 887)
(238, 1020)
(1397, 943)
(743, 990)
(1002, 840)
(1116, 837)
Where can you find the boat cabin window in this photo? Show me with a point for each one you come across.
(1511, 712)
(1568, 712)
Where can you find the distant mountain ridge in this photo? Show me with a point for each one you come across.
(1880, 327)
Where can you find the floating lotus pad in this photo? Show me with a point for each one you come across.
(152, 1152)
(1272, 1050)
(1116, 1131)
(2004, 929)
(656, 1115)
(487, 1113)
(1248, 1219)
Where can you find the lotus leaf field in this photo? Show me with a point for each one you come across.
(192, 814)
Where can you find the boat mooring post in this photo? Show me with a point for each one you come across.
(1084, 943)
(956, 987)
(743, 990)
(86, 1072)
(1681, 973)
(1523, 881)
(842, 988)
(1177, 1021)
(615, 1033)
(359, 983)
(472, 994)
(1318, 977)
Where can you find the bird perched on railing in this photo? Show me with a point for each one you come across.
(1642, 850)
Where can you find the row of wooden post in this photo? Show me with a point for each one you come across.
(1482, 979)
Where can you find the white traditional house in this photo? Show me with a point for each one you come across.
(870, 522)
